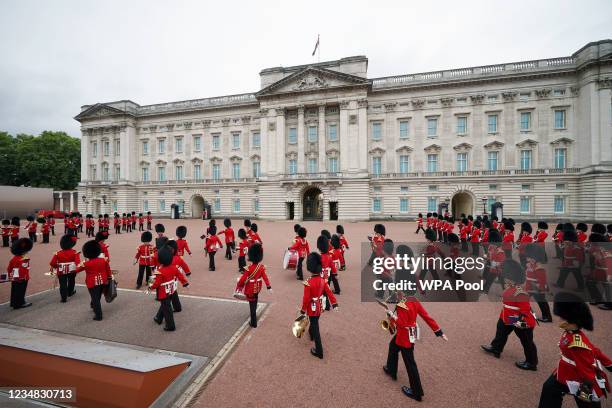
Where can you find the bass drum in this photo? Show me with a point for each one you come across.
(290, 260)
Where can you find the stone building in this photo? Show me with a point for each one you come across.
(325, 141)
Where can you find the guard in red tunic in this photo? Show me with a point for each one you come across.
(540, 237)
(432, 250)
(64, 263)
(31, 227)
(247, 228)
(420, 224)
(213, 244)
(243, 249)
(254, 236)
(15, 223)
(495, 261)
(149, 220)
(51, 222)
(106, 223)
(336, 256)
(6, 233)
(327, 264)
(230, 240)
(464, 233)
(100, 223)
(300, 244)
(376, 242)
(516, 316)
(117, 223)
(558, 240)
(160, 230)
(581, 232)
(523, 240)
(573, 260)
(141, 220)
(251, 280)
(181, 242)
(144, 257)
(312, 301)
(45, 229)
(508, 238)
(101, 238)
(600, 271)
(133, 219)
(580, 371)
(536, 283)
(475, 238)
(344, 246)
(18, 270)
(165, 284)
(404, 320)
(97, 275)
(89, 226)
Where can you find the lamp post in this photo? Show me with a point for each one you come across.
(484, 205)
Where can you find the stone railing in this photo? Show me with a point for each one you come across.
(466, 73)
(311, 176)
(197, 103)
(475, 173)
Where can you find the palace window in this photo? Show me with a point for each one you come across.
(292, 166)
(560, 158)
(217, 204)
(525, 159)
(462, 161)
(559, 92)
(93, 172)
(256, 205)
(256, 139)
(525, 121)
(181, 206)
(312, 134)
(161, 146)
(376, 204)
(561, 186)
(216, 171)
(117, 147)
(115, 206)
(461, 125)
(559, 204)
(145, 205)
(404, 189)
(432, 127)
(376, 165)
(161, 173)
(235, 171)
(236, 207)
(197, 143)
(105, 173)
(332, 165)
(216, 141)
(312, 165)
(404, 164)
(178, 145)
(145, 147)
(94, 149)
(492, 123)
(332, 132)
(197, 172)
(178, 172)
(560, 119)
(117, 172)
(404, 129)
(236, 140)
(404, 205)
(256, 169)
(432, 162)
(492, 160)
(106, 146)
(525, 205)
(490, 202)
(292, 136)
(162, 205)
(376, 130)
(432, 204)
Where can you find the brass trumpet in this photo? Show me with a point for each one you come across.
(299, 326)
(387, 324)
(53, 275)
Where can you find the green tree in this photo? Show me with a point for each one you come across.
(8, 164)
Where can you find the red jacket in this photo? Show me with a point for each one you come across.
(89, 223)
(581, 361)
(243, 247)
(213, 243)
(19, 268)
(377, 244)
(337, 259)
(166, 281)
(573, 255)
(508, 240)
(496, 259)
(343, 243)
(541, 236)
(464, 232)
(97, 272)
(301, 246)
(104, 248)
(475, 235)
(405, 317)
(535, 278)
(516, 310)
(6, 231)
(327, 266)
(15, 231)
(181, 265)
(140, 220)
(229, 235)
(149, 218)
(182, 247)
(524, 239)
(45, 228)
(65, 261)
(312, 301)
(582, 237)
(144, 254)
(602, 263)
(251, 280)
(31, 227)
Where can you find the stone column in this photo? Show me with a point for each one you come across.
(127, 155)
(362, 116)
(265, 142)
(300, 135)
(280, 140)
(85, 141)
(344, 136)
(60, 194)
(322, 134)
(71, 201)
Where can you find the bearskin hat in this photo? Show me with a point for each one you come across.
(256, 253)
(512, 221)
(296, 228)
(513, 271)
(430, 234)
(494, 235)
(388, 246)
(434, 214)
(323, 244)
(212, 222)
(242, 233)
(570, 236)
(598, 228)
(68, 241)
(99, 215)
(40, 220)
(254, 227)
(160, 242)
(380, 229)
(339, 229)
(535, 252)
(453, 238)
(6, 222)
(172, 244)
(212, 230)
(21, 246)
(568, 226)
(495, 218)
(525, 226)
(227, 222)
(91, 249)
(247, 223)
(542, 225)
(148, 212)
(573, 309)
(509, 225)
(581, 226)
(165, 254)
(313, 263)
(159, 228)
(105, 215)
(477, 224)
(595, 237)
(428, 214)
(335, 241)
(140, 214)
(470, 218)
(181, 231)
(101, 236)
(30, 218)
(464, 221)
(302, 232)
(609, 228)
(326, 234)
(485, 217)
(559, 227)
(133, 212)
(486, 224)
(404, 250)
(146, 236)
(115, 215)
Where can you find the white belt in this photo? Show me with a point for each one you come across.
(255, 280)
(532, 279)
(567, 360)
(512, 307)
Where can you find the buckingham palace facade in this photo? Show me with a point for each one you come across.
(324, 141)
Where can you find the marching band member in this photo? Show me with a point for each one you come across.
(159, 230)
(496, 258)
(125, 223)
(141, 220)
(255, 238)
(45, 229)
(97, 274)
(65, 262)
(18, 270)
(581, 229)
(336, 257)
(178, 260)
(149, 220)
(251, 280)
(404, 318)
(312, 301)
(536, 284)
(558, 240)
(181, 242)
(432, 250)
(580, 369)
(51, 222)
(15, 222)
(101, 238)
(31, 227)
(464, 233)
(540, 237)
(344, 246)
(100, 223)
(376, 242)
(89, 226)
(475, 238)
(247, 228)
(144, 257)
(572, 261)
(600, 271)
(117, 224)
(165, 285)
(213, 244)
(327, 264)
(524, 239)
(301, 246)
(420, 224)
(106, 222)
(508, 238)
(243, 248)
(516, 316)
(230, 241)
(133, 220)
(6, 233)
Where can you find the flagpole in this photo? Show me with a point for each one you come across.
(319, 41)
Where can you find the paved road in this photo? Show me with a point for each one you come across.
(272, 368)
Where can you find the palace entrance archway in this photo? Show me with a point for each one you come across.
(312, 204)
(197, 206)
(462, 203)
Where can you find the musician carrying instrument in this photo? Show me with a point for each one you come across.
(387, 324)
